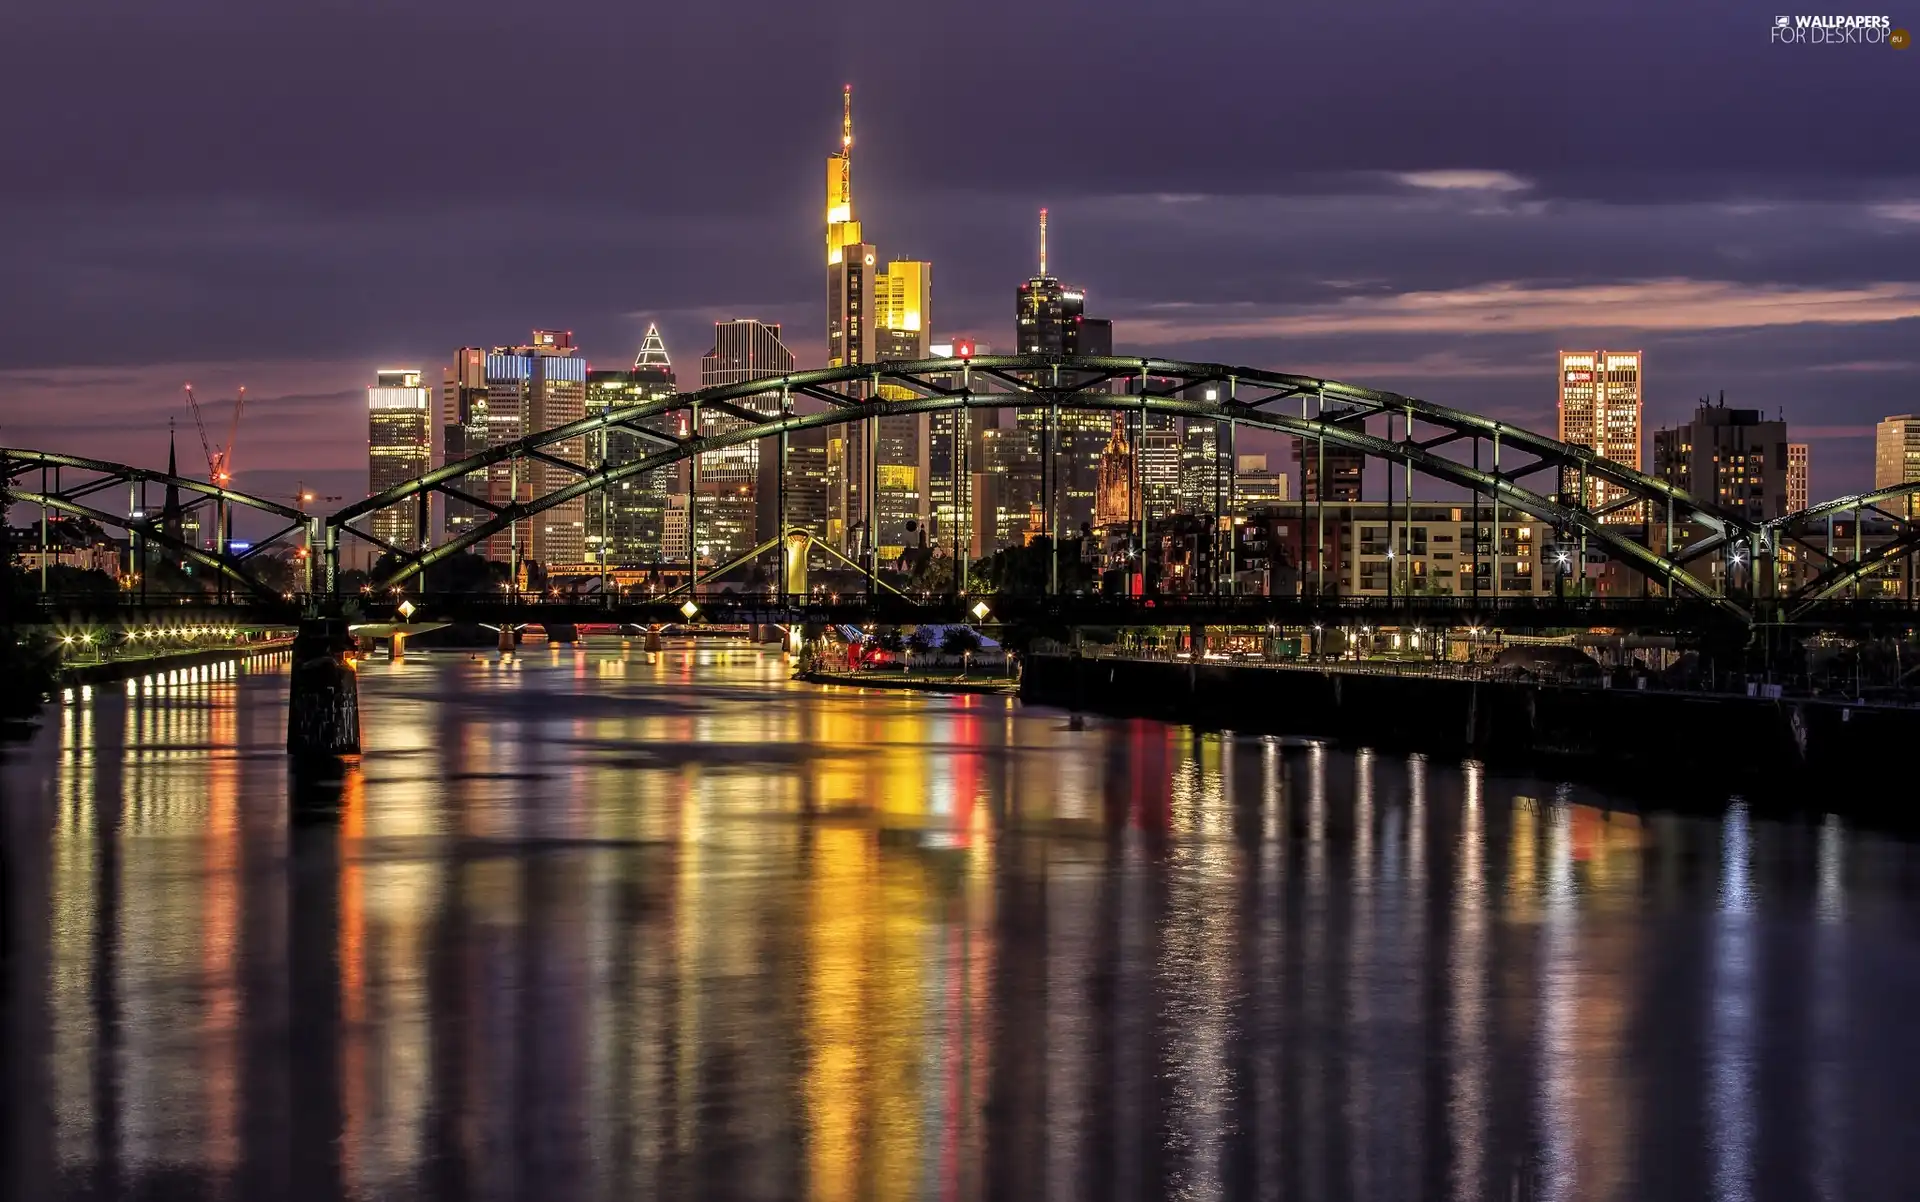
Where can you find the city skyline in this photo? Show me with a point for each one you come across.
(1394, 243)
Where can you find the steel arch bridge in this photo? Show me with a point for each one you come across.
(74, 485)
(1479, 458)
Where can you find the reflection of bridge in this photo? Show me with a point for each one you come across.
(1489, 461)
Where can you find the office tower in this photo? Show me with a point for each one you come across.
(725, 522)
(851, 262)
(1202, 488)
(1160, 465)
(1254, 485)
(1011, 463)
(463, 432)
(1050, 319)
(1797, 455)
(1346, 470)
(1896, 450)
(951, 468)
(399, 449)
(807, 481)
(1731, 458)
(738, 480)
(529, 389)
(744, 350)
(1600, 405)
(903, 310)
(626, 522)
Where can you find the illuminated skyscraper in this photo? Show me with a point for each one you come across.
(1797, 456)
(744, 350)
(532, 388)
(399, 448)
(851, 262)
(1050, 319)
(625, 523)
(1600, 407)
(738, 479)
(463, 431)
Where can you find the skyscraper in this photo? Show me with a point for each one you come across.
(463, 432)
(1600, 407)
(736, 480)
(1896, 450)
(903, 310)
(851, 262)
(399, 448)
(1797, 457)
(625, 523)
(1050, 319)
(532, 388)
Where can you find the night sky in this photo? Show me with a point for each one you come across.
(1424, 197)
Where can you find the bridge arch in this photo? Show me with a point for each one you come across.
(1332, 413)
(100, 475)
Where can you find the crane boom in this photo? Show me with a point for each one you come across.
(233, 434)
(206, 444)
(219, 459)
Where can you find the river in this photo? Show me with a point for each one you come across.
(593, 924)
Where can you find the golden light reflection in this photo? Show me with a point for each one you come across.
(679, 926)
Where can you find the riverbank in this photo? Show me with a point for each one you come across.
(115, 670)
(1826, 754)
(992, 685)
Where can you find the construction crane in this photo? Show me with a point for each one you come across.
(219, 460)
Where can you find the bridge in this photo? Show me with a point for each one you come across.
(1683, 550)
(1489, 461)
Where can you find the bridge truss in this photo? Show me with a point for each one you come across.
(86, 488)
(1495, 463)
(1329, 415)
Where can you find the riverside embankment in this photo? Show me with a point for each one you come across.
(114, 670)
(1831, 754)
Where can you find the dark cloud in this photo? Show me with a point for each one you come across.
(288, 196)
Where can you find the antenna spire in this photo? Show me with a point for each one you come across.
(1043, 242)
(846, 118)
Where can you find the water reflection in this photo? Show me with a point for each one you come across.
(599, 925)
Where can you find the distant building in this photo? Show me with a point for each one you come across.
(1011, 490)
(1798, 454)
(1896, 452)
(1345, 468)
(1438, 552)
(463, 432)
(1254, 485)
(529, 389)
(1160, 464)
(807, 481)
(1600, 407)
(1731, 458)
(399, 449)
(1114, 505)
(1202, 486)
(1050, 319)
(626, 522)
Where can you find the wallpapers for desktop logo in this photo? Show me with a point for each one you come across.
(1838, 31)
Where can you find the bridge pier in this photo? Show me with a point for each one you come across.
(653, 639)
(397, 647)
(507, 640)
(323, 711)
